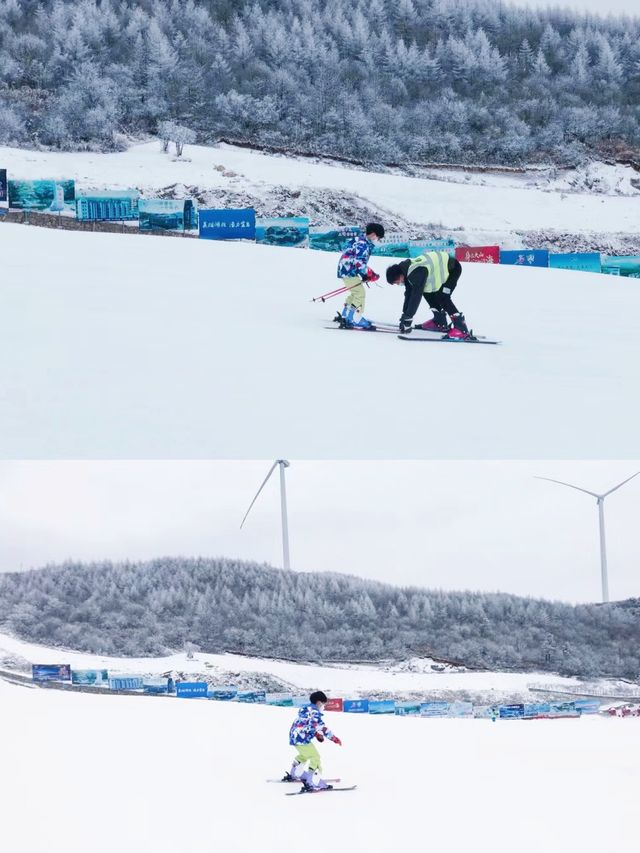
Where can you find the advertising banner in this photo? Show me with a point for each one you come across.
(167, 214)
(156, 686)
(587, 706)
(525, 257)
(419, 247)
(253, 696)
(108, 206)
(382, 706)
(461, 709)
(334, 704)
(407, 709)
(300, 701)
(283, 700)
(511, 712)
(393, 246)
(582, 261)
(222, 694)
(434, 709)
(191, 689)
(332, 239)
(51, 672)
(536, 710)
(292, 231)
(478, 254)
(126, 682)
(485, 712)
(355, 706)
(98, 677)
(227, 224)
(625, 266)
(50, 196)
(3, 185)
(563, 709)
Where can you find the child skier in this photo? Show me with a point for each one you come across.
(309, 726)
(433, 275)
(353, 270)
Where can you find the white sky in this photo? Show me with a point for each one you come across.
(481, 525)
(615, 7)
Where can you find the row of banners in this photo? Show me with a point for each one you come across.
(157, 214)
(203, 690)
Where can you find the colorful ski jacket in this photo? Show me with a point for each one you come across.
(307, 724)
(355, 258)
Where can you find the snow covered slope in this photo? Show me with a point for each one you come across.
(141, 347)
(340, 680)
(598, 198)
(101, 773)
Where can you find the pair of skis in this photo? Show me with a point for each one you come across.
(304, 791)
(420, 334)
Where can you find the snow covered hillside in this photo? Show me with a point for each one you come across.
(414, 677)
(97, 773)
(125, 346)
(598, 202)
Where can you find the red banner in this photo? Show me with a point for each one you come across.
(333, 705)
(478, 254)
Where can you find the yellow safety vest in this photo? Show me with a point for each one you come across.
(437, 266)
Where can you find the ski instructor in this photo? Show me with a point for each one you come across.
(433, 275)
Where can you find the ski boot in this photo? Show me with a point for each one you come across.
(363, 323)
(346, 318)
(437, 324)
(459, 331)
(311, 782)
(295, 774)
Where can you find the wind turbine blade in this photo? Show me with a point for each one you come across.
(264, 483)
(620, 485)
(571, 486)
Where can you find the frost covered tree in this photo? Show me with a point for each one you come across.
(374, 80)
(228, 605)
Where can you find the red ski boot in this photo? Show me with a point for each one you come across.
(459, 331)
(437, 324)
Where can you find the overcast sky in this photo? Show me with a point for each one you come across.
(621, 7)
(481, 525)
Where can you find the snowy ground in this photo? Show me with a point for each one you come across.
(83, 772)
(482, 208)
(351, 681)
(128, 347)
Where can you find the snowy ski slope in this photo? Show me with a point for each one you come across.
(126, 346)
(347, 681)
(486, 203)
(98, 773)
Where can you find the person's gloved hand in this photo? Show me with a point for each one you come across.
(370, 275)
(406, 326)
(320, 736)
(337, 740)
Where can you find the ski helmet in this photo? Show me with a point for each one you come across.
(374, 228)
(318, 696)
(393, 273)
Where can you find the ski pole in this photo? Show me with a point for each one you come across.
(336, 292)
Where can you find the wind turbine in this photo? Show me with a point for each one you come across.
(283, 463)
(603, 543)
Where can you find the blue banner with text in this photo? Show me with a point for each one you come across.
(525, 257)
(191, 689)
(227, 224)
(356, 706)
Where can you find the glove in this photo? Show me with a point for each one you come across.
(337, 740)
(370, 275)
(406, 326)
(320, 736)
